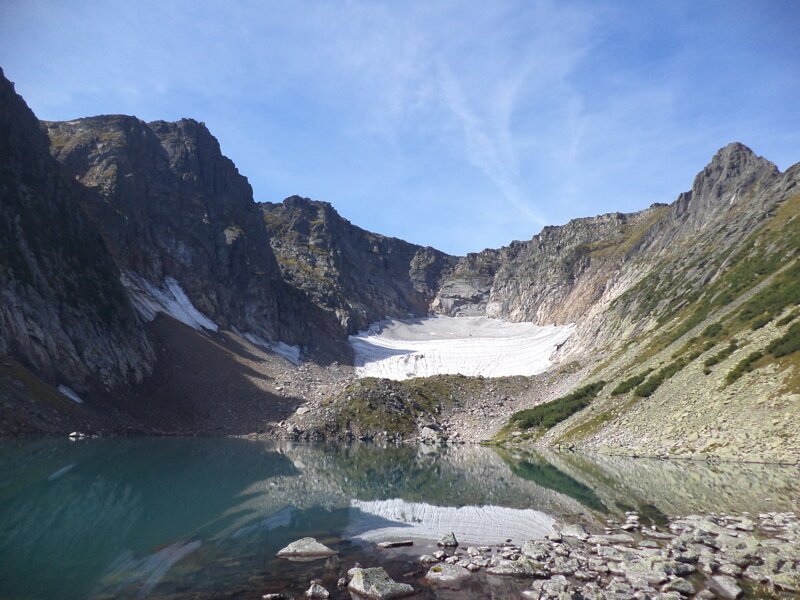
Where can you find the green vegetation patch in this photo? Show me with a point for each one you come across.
(744, 366)
(782, 292)
(628, 384)
(788, 343)
(717, 358)
(788, 318)
(552, 413)
(649, 387)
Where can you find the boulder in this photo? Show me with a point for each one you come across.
(448, 541)
(376, 584)
(522, 567)
(306, 547)
(726, 587)
(447, 575)
(575, 531)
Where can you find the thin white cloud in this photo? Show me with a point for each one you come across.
(490, 151)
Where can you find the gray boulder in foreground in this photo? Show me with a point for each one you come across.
(448, 541)
(307, 547)
(376, 584)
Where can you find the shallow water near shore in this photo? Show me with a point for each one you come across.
(203, 518)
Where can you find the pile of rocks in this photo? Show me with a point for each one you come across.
(705, 557)
(713, 556)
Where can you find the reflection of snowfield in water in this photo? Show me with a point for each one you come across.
(387, 519)
(455, 345)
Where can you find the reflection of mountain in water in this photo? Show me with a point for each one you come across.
(116, 517)
(535, 468)
(676, 487)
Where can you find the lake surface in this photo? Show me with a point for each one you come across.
(203, 518)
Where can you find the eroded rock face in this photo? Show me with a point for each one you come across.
(170, 205)
(63, 310)
(359, 276)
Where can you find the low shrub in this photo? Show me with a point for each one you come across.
(745, 366)
(647, 388)
(551, 413)
(732, 347)
(714, 330)
(628, 384)
(786, 344)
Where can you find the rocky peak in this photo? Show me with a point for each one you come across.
(727, 182)
(171, 205)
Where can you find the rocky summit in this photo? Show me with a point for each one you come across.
(145, 290)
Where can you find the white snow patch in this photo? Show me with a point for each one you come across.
(290, 353)
(395, 518)
(69, 393)
(170, 299)
(473, 346)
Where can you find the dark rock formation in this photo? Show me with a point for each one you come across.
(171, 205)
(359, 276)
(63, 312)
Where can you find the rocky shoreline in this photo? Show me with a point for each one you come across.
(696, 556)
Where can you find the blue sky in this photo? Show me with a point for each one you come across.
(461, 125)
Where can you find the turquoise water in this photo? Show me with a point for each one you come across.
(203, 518)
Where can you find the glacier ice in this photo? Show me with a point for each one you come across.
(398, 349)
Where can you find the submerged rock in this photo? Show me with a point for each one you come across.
(447, 575)
(317, 591)
(376, 584)
(306, 547)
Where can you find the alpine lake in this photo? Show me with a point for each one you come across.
(172, 518)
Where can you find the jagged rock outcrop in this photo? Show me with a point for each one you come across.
(63, 311)
(171, 206)
(361, 277)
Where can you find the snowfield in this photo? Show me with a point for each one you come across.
(290, 353)
(379, 520)
(150, 300)
(473, 346)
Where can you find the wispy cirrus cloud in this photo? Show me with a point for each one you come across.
(457, 124)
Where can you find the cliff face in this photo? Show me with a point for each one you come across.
(171, 206)
(63, 312)
(358, 276)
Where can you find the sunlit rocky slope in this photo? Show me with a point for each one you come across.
(140, 276)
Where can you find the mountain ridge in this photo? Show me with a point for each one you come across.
(175, 222)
